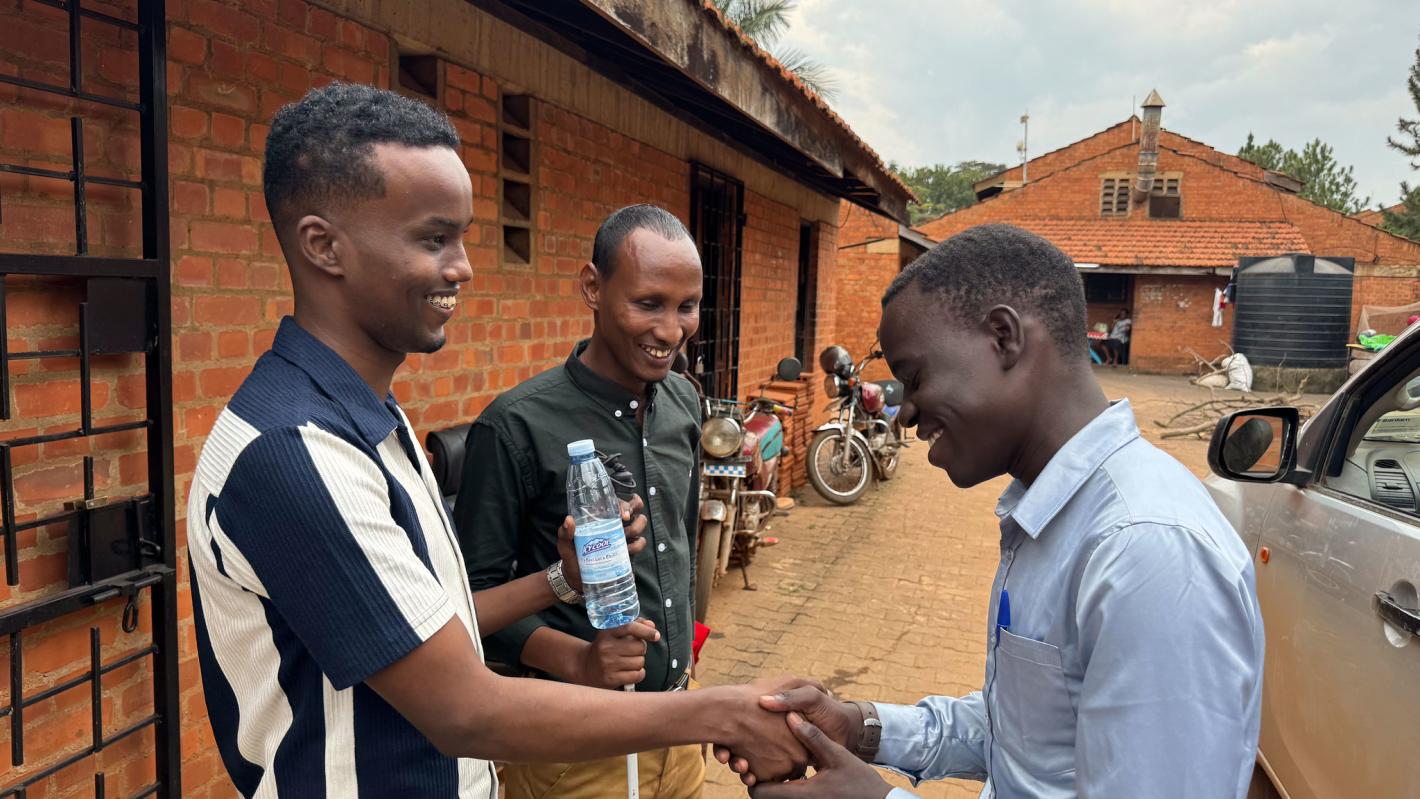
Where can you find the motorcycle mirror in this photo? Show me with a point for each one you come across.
(789, 369)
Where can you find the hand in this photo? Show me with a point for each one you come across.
(761, 734)
(567, 545)
(838, 774)
(841, 721)
(617, 657)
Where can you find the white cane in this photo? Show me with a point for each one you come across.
(633, 770)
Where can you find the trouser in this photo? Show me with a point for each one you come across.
(675, 773)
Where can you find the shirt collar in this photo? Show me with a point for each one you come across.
(1032, 508)
(338, 380)
(614, 396)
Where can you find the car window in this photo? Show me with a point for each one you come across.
(1382, 462)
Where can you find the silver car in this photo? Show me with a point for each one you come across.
(1329, 510)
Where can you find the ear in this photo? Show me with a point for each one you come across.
(316, 241)
(1007, 334)
(591, 281)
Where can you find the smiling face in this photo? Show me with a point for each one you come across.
(647, 308)
(960, 395)
(402, 254)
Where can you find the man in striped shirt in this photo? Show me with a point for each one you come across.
(336, 631)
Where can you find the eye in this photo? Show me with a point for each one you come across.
(648, 305)
(436, 242)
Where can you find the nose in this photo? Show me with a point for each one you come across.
(456, 268)
(907, 414)
(667, 329)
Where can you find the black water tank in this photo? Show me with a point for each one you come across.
(1294, 310)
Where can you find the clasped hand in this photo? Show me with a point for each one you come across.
(827, 729)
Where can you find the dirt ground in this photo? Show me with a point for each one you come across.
(887, 599)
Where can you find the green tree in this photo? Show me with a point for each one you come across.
(943, 188)
(767, 20)
(1406, 221)
(1324, 181)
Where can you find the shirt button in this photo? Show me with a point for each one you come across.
(675, 664)
(669, 603)
(635, 405)
(652, 490)
(645, 443)
(661, 547)
(618, 414)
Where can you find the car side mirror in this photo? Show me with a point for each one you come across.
(1407, 397)
(1255, 446)
(789, 370)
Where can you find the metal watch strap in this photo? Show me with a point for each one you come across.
(564, 591)
(872, 734)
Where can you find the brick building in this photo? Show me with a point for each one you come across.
(1163, 252)
(567, 110)
(872, 249)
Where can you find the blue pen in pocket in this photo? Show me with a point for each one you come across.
(1003, 611)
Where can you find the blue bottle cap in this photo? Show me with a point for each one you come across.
(581, 448)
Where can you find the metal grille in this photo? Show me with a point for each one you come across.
(717, 224)
(804, 311)
(117, 548)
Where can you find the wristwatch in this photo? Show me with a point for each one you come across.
(872, 734)
(560, 587)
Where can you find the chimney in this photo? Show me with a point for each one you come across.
(1148, 148)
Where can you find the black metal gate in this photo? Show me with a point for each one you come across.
(717, 224)
(119, 551)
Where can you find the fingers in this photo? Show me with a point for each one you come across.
(568, 529)
(825, 751)
(636, 527)
(804, 698)
(641, 630)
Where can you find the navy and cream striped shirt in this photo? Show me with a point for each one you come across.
(321, 553)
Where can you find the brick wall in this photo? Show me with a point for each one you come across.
(869, 258)
(1173, 311)
(231, 66)
(1172, 314)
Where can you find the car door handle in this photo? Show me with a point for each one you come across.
(1401, 617)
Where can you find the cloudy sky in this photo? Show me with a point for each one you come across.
(927, 81)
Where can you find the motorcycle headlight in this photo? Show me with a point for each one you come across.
(721, 437)
(833, 386)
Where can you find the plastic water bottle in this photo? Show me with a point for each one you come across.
(608, 586)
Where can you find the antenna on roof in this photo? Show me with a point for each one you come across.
(1022, 147)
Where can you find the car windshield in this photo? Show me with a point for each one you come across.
(1399, 426)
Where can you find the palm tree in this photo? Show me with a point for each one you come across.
(765, 21)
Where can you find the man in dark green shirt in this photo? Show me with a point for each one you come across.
(643, 286)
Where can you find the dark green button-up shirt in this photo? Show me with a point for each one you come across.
(514, 497)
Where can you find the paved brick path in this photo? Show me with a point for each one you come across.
(887, 599)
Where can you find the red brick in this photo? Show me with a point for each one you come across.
(223, 237)
(322, 24)
(298, 46)
(233, 344)
(231, 203)
(231, 273)
(228, 94)
(355, 68)
(223, 381)
(227, 61)
(194, 270)
(224, 20)
(190, 199)
(33, 131)
(227, 310)
(186, 46)
(195, 346)
(188, 123)
(228, 131)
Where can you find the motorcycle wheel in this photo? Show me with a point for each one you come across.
(845, 488)
(707, 558)
(887, 465)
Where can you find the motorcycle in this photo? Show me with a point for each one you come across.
(740, 448)
(865, 439)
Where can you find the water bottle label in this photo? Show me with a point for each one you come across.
(601, 551)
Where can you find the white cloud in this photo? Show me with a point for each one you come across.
(946, 80)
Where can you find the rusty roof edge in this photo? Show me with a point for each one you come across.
(782, 106)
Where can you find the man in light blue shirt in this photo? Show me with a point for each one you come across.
(1125, 645)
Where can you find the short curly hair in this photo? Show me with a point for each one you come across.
(990, 265)
(319, 149)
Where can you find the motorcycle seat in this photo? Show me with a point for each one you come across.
(892, 392)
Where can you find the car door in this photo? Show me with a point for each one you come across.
(1342, 684)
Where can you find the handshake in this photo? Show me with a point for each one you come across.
(785, 725)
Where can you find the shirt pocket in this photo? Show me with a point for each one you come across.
(1035, 717)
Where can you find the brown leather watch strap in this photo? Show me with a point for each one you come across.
(872, 733)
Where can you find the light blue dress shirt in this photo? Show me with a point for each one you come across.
(1132, 665)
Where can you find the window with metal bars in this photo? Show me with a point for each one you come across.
(717, 225)
(804, 314)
